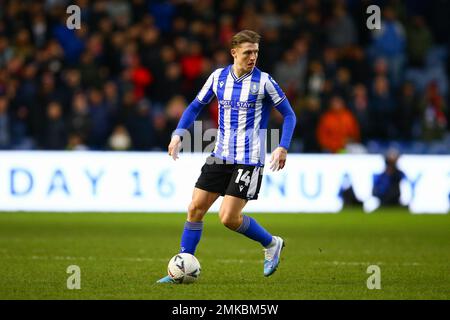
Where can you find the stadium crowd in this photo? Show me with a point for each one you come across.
(122, 81)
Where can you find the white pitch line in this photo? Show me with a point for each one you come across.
(90, 258)
(240, 261)
(357, 263)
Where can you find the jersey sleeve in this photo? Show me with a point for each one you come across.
(273, 91)
(207, 93)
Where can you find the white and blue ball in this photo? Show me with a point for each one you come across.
(184, 268)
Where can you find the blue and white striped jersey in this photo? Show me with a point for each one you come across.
(244, 108)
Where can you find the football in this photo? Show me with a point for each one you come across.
(184, 268)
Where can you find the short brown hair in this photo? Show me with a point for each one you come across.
(245, 36)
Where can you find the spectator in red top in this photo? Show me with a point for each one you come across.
(192, 63)
(337, 127)
(191, 66)
(140, 76)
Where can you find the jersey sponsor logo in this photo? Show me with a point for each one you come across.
(227, 104)
(245, 104)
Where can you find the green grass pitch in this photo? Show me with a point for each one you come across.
(326, 256)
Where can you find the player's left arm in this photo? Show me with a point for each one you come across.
(277, 97)
(279, 155)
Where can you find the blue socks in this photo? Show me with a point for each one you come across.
(251, 229)
(191, 236)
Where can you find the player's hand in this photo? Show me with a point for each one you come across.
(278, 159)
(174, 146)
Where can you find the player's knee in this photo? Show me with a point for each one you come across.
(195, 211)
(230, 221)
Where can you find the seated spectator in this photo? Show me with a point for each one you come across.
(307, 122)
(390, 42)
(382, 109)
(347, 193)
(337, 127)
(5, 130)
(55, 133)
(407, 114)
(75, 143)
(434, 120)
(386, 185)
(359, 105)
(419, 40)
(120, 139)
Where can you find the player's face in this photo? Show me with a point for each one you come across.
(245, 56)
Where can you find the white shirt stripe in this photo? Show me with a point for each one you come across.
(256, 145)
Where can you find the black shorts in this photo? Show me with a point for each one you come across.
(238, 180)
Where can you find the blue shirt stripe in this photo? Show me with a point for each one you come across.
(250, 122)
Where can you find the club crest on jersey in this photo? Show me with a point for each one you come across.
(254, 87)
(221, 84)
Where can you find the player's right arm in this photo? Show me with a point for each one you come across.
(189, 115)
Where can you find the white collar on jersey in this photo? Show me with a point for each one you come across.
(236, 79)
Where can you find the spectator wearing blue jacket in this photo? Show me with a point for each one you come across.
(389, 42)
(386, 185)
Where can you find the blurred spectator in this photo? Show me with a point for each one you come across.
(419, 41)
(226, 29)
(389, 42)
(381, 109)
(162, 131)
(192, 64)
(271, 50)
(139, 125)
(434, 120)
(55, 132)
(141, 77)
(270, 19)
(407, 114)
(172, 82)
(119, 139)
(5, 124)
(112, 99)
(290, 72)
(359, 105)
(76, 143)
(20, 135)
(330, 62)
(80, 119)
(90, 75)
(354, 60)
(316, 79)
(308, 119)
(337, 127)
(341, 29)
(386, 186)
(346, 192)
(6, 52)
(342, 83)
(100, 119)
(71, 42)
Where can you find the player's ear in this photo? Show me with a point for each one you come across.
(233, 52)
